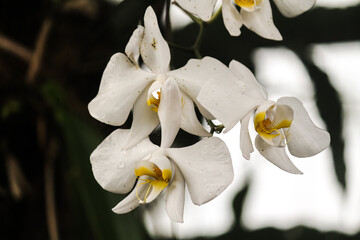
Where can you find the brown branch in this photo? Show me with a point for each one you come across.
(15, 48)
(50, 151)
(17, 180)
(49, 190)
(35, 63)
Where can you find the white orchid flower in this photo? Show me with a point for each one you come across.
(256, 15)
(279, 124)
(164, 96)
(205, 168)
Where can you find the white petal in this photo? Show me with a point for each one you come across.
(160, 160)
(231, 17)
(154, 49)
(194, 74)
(224, 95)
(203, 110)
(130, 202)
(306, 139)
(261, 22)
(144, 121)
(175, 197)
(132, 49)
(203, 9)
(113, 166)
(276, 155)
(206, 167)
(282, 112)
(292, 8)
(189, 121)
(121, 84)
(169, 112)
(255, 89)
(246, 146)
(265, 106)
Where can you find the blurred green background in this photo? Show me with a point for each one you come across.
(52, 55)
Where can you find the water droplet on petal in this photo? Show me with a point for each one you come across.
(124, 152)
(121, 164)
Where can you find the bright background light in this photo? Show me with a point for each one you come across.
(336, 3)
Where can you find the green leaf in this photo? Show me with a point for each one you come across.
(91, 205)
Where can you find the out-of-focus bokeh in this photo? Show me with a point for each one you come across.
(52, 55)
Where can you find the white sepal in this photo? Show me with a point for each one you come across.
(231, 17)
(192, 77)
(121, 84)
(261, 22)
(169, 112)
(293, 8)
(254, 88)
(144, 121)
(175, 197)
(131, 201)
(132, 48)
(306, 138)
(276, 155)
(113, 166)
(206, 167)
(226, 97)
(154, 49)
(189, 121)
(195, 73)
(246, 145)
(202, 9)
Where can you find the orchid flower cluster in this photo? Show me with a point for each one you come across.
(141, 81)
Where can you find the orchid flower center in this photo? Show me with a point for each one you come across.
(269, 127)
(156, 180)
(248, 4)
(154, 100)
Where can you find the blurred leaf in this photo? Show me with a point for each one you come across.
(80, 139)
(10, 107)
(331, 111)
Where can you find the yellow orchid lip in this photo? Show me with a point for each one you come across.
(250, 4)
(266, 128)
(154, 101)
(158, 179)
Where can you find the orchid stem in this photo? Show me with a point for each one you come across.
(196, 46)
(215, 16)
(195, 19)
(174, 45)
(215, 128)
